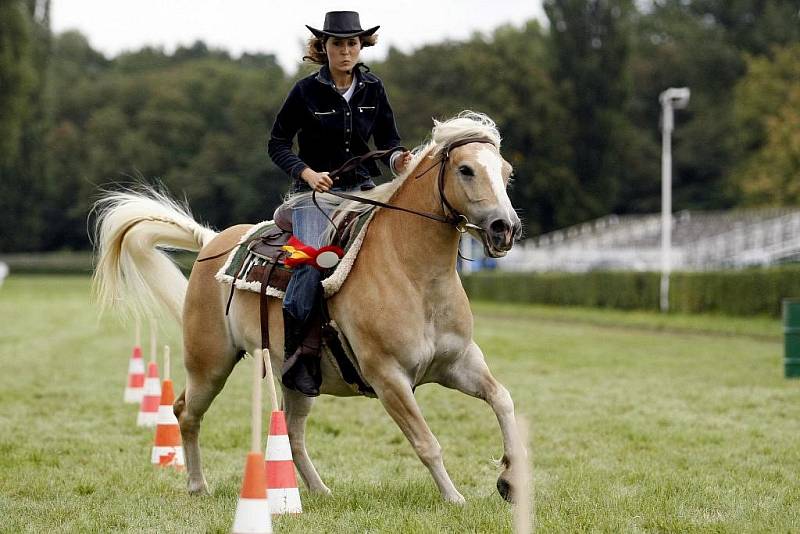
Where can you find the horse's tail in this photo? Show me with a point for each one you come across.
(132, 275)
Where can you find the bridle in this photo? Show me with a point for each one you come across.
(451, 215)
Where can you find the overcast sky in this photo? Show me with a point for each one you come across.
(278, 27)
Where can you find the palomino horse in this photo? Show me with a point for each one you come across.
(402, 307)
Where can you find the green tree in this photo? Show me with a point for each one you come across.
(504, 75)
(753, 26)
(24, 41)
(576, 104)
(590, 49)
(675, 47)
(196, 121)
(701, 44)
(766, 112)
(17, 77)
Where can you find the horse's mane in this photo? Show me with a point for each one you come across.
(465, 125)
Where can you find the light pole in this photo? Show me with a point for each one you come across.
(671, 99)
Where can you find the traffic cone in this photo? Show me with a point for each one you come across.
(167, 449)
(135, 388)
(148, 409)
(252, 510)
(282, 492)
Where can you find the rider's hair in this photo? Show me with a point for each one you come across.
(315, 48)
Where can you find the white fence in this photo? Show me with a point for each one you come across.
(701, 241)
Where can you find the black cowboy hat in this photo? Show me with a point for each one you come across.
(341, 24)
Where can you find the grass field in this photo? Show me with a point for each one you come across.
(640, 423)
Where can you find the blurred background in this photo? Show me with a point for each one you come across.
(186, 95)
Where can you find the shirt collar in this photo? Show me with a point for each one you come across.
(324, 75)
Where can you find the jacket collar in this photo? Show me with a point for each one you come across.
(324, 75)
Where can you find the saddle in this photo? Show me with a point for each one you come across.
(265, 253)
(257, 263)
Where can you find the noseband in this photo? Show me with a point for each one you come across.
(451, 215)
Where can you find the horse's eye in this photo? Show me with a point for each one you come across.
(466, 171)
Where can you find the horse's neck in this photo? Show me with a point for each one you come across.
(425, 249)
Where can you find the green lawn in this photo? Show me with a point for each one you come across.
(639, 422)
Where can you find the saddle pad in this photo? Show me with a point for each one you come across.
(242, 263)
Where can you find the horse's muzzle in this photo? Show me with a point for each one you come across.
(500, 234)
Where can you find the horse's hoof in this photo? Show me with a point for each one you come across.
(322, 490)
(504, 489)
(198, 489)
(456, 499)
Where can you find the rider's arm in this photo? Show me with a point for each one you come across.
(286, 125)
(385, 132)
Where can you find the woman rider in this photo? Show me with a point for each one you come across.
(334, 112)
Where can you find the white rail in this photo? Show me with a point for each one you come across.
(702, 241)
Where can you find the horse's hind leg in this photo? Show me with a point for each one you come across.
(472, 376)
(397, 397)
(203, 383)
(297, 408)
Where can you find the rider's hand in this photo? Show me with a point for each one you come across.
(402, 161)
(319, 181)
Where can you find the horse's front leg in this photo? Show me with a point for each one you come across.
(298, 406)
(470, 375)
(394, 390)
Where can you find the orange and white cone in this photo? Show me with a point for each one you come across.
(282, 492)
(252, 511)
(135, 388)
(148, 409)
(167, 449)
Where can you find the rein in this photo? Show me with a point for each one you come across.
(458, 220)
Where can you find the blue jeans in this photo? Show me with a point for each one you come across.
(308, 224)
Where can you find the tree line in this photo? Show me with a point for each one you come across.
(576, 101)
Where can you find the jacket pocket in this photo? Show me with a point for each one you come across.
(364, 119)
(328, 122)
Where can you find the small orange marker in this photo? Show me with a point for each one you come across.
(167, 449)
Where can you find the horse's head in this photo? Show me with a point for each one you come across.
(475, 180)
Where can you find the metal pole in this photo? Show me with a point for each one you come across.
(666, 201)
(672, 98)
(256, 409)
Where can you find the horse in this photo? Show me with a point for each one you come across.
(402, 307)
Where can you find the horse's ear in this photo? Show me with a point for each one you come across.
(508, 171)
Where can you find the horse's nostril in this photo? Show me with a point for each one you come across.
(499, 226)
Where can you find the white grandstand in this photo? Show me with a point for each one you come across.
(700, 241)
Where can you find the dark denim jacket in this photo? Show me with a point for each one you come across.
(330, 130)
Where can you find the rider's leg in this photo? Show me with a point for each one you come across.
(301, 369)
